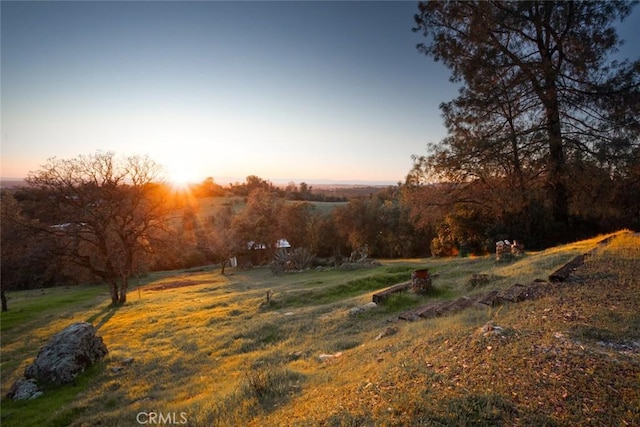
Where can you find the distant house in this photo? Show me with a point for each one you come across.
(283, 244)
(257, 253)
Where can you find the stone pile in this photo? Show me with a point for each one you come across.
(506, 249)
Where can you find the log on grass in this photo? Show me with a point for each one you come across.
(380, 297)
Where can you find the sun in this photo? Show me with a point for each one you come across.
(180, 176)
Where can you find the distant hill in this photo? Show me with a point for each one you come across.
(12, 182)
(346, 190)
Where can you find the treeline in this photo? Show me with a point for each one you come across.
(105, 219)
(380, 222)
(304, 191)
(108, 219)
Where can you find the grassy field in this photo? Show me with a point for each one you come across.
(211, 350)
(207, 206)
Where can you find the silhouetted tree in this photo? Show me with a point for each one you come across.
(109, 213)
(208, 188)
(297, 224)
(21, 252)
(538, 86)
(358, 223)
(381, 222)
(260, 220)
(219, 238)
(252, 182)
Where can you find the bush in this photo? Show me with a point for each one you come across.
(269, 383)
(297, 260)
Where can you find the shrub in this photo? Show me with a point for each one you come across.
(297, 260)
(270, 383)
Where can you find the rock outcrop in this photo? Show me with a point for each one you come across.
(67, 354)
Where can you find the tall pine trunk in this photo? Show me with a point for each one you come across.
(556, 162)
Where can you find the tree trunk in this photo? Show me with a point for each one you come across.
(4, 300)
(556, 178)
(224, 264)
(123, 290)
(113, 290)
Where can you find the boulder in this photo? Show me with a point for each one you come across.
(357, 310)
(67, 354)
(328, 357)
(24, 389)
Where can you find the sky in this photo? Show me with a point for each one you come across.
(289, 91)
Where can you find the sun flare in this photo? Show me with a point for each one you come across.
(180, 176)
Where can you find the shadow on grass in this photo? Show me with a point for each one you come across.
(326, 295)
(103, 316)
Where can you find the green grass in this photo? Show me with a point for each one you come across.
(54, 407)
(218, 353)
(329, 294)
(29, 306)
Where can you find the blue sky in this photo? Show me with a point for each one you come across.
(283, 90)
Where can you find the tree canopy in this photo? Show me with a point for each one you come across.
(540, 93)
(105, 212)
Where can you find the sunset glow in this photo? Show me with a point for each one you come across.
(309, 91)
(179, 176)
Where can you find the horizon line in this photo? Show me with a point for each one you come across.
(226, 180)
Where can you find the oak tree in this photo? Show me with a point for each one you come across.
(218, 239)
(108, 213)
(260, 221)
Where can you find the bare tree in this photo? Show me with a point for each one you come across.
(110, 211)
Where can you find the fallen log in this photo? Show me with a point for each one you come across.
(563, 273)
(380, 297)
(515, 293)
(488, 298)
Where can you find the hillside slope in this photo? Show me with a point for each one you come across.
(211, 350)
(569, 358)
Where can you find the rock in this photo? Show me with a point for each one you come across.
(295, 355)
(391, 330)
(24, 389)
(127, 361)
(491, 329)
(327, 357)
(357, 310)
(67, 354)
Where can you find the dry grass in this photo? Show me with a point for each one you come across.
(217, 352)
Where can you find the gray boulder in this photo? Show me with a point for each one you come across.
(24, 389)
(67, 354)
